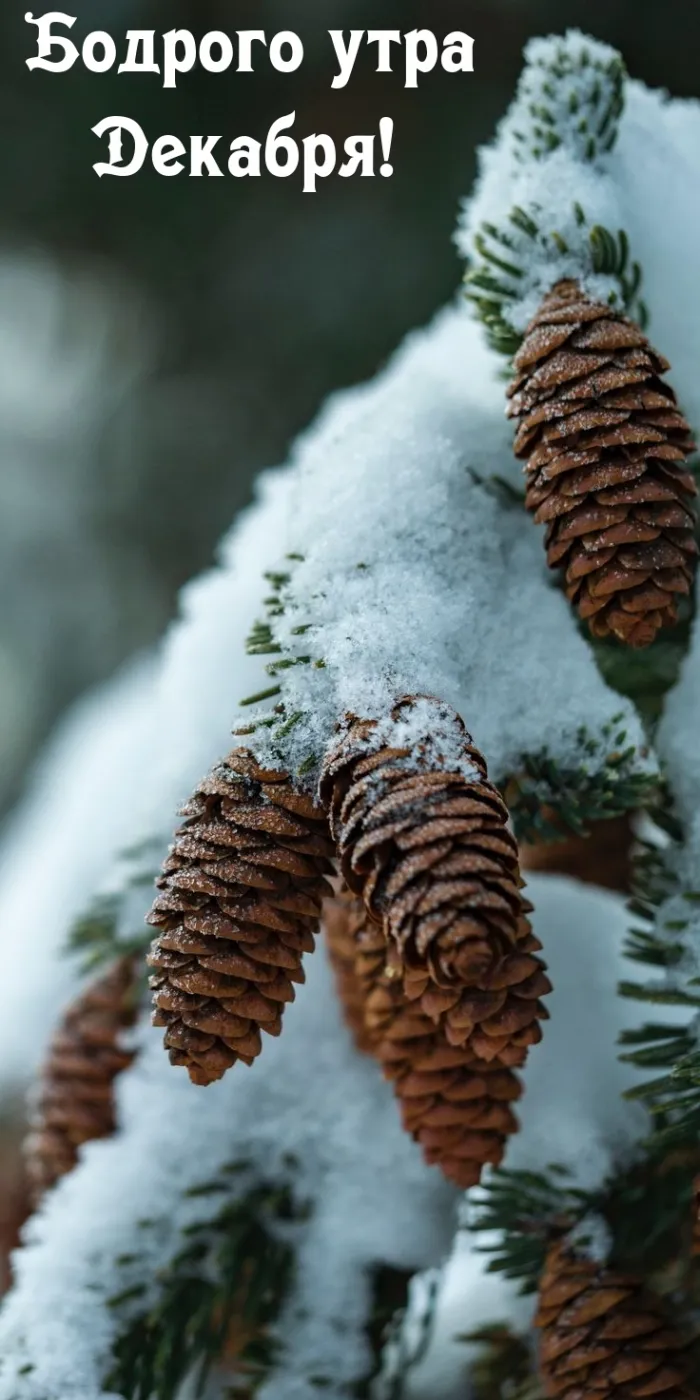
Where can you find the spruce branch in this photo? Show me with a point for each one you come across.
(217, 1301)
(526, 1209)
(663, 941)
(571, 93)
(505, 1368)
(109, 928)
(643, 1206)
(265, 639)
(674, 1098)
(506, 258)
(607, 779)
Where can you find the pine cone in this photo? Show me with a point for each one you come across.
(15, 1201)
(423, 839)
(605, 1335)
(76, 1101)
(242, 893)
(457, 1107)
(343, 918)
(605, 445)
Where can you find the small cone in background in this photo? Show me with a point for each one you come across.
(424, 841)
(603, 857)
(15, 1203)
(241, 899)
(75, 1103)
(605, 446)
(456, 1107)
(604, 1335)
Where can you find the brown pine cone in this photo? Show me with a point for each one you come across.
(76, 1100)
(15, 1201)
(241, 900)
(604, 1335)
(343, 918)
(423, 839)
(605, 445)
(456, 1106)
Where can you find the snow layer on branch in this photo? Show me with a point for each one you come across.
(204, 669)
(416, 578)
(660, 202)
(574, 107)
(647, 185)
(309, 1095)
(551, 187)
(572, 1111)
(77, 810)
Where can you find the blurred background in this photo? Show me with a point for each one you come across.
(162, 340)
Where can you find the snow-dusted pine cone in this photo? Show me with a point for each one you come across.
(75, 1102)
(604, 1335)
(455, 1105)
(422, 837)
(606, 446)
(241, 899)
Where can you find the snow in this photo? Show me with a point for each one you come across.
(76, 812)
(415, 578)
(591, 1238)
(660, 204)
(469, 1299)
(678, 917)
(205, 669)
(372, 1198)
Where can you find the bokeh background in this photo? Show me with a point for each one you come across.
(162, 340)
